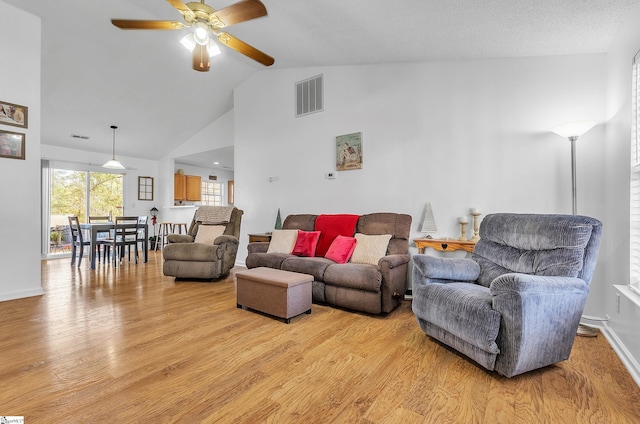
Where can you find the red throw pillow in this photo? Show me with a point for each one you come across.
(306, 243)
(341, 249)
(331, 226)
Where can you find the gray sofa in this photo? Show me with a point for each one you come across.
(185, 259)
(360, 287)
(515, 305)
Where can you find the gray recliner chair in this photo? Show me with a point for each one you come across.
(515, 305)
(185, 259)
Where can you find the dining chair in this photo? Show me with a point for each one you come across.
(77, 240)
(102, 245)
(142, 223)
(125, 235)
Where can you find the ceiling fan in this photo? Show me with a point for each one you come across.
(207, 23)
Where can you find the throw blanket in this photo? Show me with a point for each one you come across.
(214, 214)
(330, 226)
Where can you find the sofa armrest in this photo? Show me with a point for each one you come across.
(392, 261)
(394, 279)
(539, 319)
(180, 238)
(225, 239)
(258, 247)
(536, 284)
(227, 252)
(426, 268)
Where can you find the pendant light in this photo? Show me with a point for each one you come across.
(113, 163)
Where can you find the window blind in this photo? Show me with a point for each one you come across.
(634, 212)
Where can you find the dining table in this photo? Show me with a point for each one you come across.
(105, 227)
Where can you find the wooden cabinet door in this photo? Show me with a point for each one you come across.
(194, 187)
(179, 186)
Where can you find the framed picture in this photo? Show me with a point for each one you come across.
(15, 115)
(145, 188)
(349, 152)
(12, 145)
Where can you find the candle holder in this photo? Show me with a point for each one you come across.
(476, 227)
(463, 230)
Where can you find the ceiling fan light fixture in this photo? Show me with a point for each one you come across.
(204, 23)
(188, 42)
(201, 33)
(213, 49)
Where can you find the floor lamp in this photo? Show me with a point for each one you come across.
(573, 130)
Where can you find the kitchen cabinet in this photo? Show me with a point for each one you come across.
(187, 187)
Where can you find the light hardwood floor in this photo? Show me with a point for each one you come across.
(129, 345)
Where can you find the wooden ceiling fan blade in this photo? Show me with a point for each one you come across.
(244, 48)
(201, 61)
(183, 8)
(244, 10)
(135, 24)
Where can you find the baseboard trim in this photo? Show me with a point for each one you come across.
(21, 294)
(621, 350)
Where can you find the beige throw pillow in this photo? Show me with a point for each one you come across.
(208, 233)
(282, 241)
(369, 249)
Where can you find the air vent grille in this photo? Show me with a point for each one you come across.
(309, 96)
(81, 137)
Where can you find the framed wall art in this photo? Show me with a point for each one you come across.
(12, 145)
(349, 151)
(145, 188)
(15, 115)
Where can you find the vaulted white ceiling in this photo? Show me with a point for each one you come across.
(95, 75)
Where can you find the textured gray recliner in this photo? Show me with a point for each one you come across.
(185, 259)
(515, 305)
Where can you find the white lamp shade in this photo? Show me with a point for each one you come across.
(189, 43)
(575, 128)
(201, 33)
(113, 164)
(213, 49)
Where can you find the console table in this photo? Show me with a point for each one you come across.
(260, 237)
(444, 245)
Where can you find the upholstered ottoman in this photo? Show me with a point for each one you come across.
(283, 294)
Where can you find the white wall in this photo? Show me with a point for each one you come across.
(216, 135)
(624, 322)
(20, 210)
(457, 134)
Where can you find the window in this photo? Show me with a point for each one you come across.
(211, 193)
(72, 189)
(635, 179)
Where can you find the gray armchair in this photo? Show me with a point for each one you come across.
(515, 305)
(183, 258)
